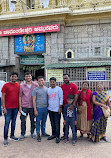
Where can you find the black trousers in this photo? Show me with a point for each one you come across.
(29, 111)
(55, 123)
(63, 124)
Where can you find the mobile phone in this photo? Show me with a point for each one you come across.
(23, 113)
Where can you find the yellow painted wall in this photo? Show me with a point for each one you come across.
(63, 18)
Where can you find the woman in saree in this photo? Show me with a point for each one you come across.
(84, 112)
(100, 99)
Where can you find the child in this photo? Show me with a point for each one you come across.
(70, 118)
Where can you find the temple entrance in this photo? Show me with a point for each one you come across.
(34, 69)
(39, 72)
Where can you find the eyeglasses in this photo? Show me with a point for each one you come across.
(28, 76)
(100, 86)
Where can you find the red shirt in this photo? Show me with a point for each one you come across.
(12, 95)
(68, 89)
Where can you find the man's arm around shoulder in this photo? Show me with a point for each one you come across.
(61, 100)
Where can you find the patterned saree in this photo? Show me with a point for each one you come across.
(99, 125)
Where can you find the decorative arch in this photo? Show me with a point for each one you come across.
(109, 52)
(69, 54)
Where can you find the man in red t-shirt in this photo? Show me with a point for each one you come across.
(68, 89)
(10, 104)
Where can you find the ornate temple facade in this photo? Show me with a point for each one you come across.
(76, 39)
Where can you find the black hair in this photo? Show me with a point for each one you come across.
(28, 73)
(39, 77)
(70, 96)
(86, 82)
(66, 74)
(14, 73)
(53, 78)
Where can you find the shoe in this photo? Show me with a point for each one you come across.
(45, 135)
(5, 143)
(76, 139)
(63, 138)
(33, 136)
(66, 141)
(51, 137)
(105, 139)
(81, 136)
(22, 137)
(14, 138)
(73, 143)
(57, 140)
(87, 136)
(38, 138)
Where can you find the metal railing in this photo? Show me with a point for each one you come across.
(3, 76)
(92, 84)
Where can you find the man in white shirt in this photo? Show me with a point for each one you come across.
(55, 101)
(1, 85)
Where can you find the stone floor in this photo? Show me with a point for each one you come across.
(30, 148)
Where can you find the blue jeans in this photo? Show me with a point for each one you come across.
(10, 116)
(70, 122)
(41, 120)
(55, 123)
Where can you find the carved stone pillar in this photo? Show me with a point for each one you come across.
(37, 4)
(52, 3)
(21, 5)
(62, 3)
(18, 6)
(94, 3)
(4, 5)
(72, 3)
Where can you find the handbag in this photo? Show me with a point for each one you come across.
(106, 112)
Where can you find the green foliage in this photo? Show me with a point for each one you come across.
(30, 68)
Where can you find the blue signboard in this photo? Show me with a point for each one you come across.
(96, 75)
(30, 44)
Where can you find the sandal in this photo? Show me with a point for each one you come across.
(33, 136)
(73, 143)
(22, 137)
(105, 139)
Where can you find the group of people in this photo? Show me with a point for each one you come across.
(81, 110)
